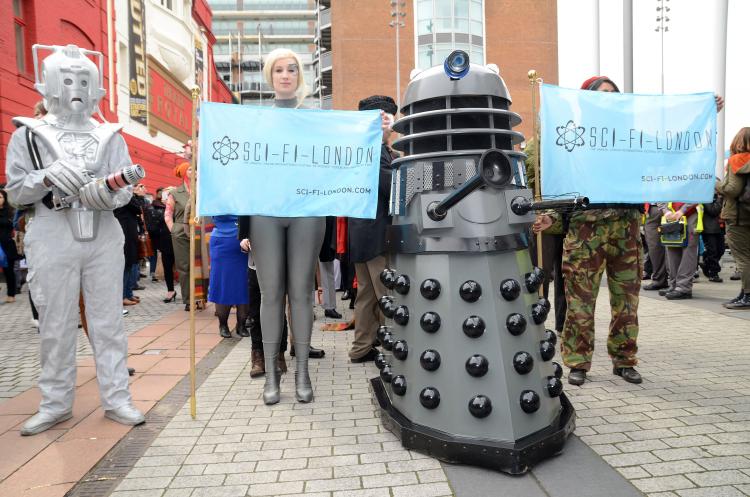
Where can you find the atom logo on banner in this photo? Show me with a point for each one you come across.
(225, 150)
(570, 136)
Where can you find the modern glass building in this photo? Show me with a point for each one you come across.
(442, 26)
(248, 30)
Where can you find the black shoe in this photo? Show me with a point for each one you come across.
(646, 276)
(655, 286)
(678, 295)
(139, 287)
(628, 374)
(154, 279)
(314, 353)
(331, 313)
(131, 371)
(664, 291)
(346, 295)
(369, 356)
(224, 331)
(736, 299)
(141, 275)
(740, 303)
(715, 279)
(187, 307)
(577, 376)
(241, 331)
(736, 276)
(170, 299)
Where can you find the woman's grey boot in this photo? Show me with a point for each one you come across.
(302, 384)
(272, 387)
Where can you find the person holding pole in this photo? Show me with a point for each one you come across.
(285, 250)
(606, 237)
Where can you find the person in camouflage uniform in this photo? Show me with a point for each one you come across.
(605, 237)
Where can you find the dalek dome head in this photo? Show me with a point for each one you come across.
(460, 109)
(456, 76)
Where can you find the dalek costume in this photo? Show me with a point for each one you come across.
(74, 171)
(467, 375)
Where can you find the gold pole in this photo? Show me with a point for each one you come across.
(193, 220)
(533, 80)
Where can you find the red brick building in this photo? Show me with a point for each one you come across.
(88, 24)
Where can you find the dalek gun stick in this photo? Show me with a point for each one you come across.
(522, 205)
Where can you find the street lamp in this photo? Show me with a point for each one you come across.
(662, 19)
(398, 22)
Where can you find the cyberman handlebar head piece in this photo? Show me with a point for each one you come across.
(467, 375)
(71, 84)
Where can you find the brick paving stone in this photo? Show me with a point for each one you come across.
(224, 491)
(671, 468)
(712, 492)
(348, 483)
(289, 487)
(661, 483)
(252, 478)
(633, 472)
(726, 462)
(640, 446)
(714, 478)
(367, 492)
(391, 479)
(361, 470)
(423, 490)
(631, 459)
(729, 450)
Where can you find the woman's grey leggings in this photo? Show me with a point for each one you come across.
(285, 250)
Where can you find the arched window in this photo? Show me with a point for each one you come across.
(446, 25)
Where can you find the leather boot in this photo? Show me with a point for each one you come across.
(272, 387)
(282, 363)
(241, 330)
(258, 364)
(302, 384)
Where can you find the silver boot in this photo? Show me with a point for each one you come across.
(302, 383)
(272, 387)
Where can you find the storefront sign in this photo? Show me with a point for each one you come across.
(169, 103)
(137, 56)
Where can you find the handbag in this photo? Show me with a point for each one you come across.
(673, 233)
(145, 248)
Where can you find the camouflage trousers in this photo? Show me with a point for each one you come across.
(591, 247)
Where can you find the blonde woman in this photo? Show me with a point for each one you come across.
(285, 250)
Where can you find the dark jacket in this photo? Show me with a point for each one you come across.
(367, 236)
(328, 249)
(711, 214)
(130, 220)
(736, 212)
(157, 227)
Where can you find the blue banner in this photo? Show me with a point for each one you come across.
(620, 147)
(288, 162)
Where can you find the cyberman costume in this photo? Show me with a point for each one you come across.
(69, 167)
(467, 375)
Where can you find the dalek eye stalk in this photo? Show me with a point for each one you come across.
(467, 374)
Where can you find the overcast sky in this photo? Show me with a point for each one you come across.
(690, 49)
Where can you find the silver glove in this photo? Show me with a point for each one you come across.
(66, 177)
(96, 195)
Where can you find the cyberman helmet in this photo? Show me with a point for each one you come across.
(69, 81)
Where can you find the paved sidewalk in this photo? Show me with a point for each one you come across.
(19, 340)
(684, 432)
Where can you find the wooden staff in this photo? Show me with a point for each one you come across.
(193, 220)
(534, 81)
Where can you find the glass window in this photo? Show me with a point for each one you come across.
(443, 8)
(447, 25)
(21, 34)
(424, 9)
(424, 27)
(461, 8)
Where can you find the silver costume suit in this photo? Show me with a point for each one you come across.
(78, 248)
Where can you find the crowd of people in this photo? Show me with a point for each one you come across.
(583, 245)
(269, 268)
